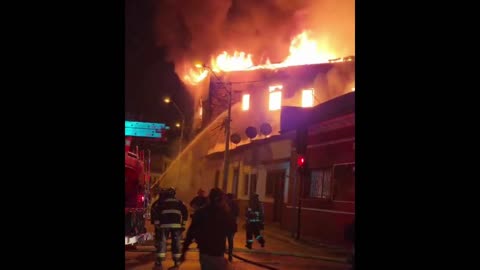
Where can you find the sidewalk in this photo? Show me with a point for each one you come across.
(273, 230)
(280, 242)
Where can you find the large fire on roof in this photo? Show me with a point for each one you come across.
(303, 51)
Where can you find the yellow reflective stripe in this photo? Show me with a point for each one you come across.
(170, 226)
(177, 255)
(170, 200)
(161, 255)
(171, 211)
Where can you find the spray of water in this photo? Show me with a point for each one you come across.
(188, 171)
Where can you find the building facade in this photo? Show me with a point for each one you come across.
(264, 162)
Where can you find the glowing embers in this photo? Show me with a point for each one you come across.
(307, 98)
(245, 102)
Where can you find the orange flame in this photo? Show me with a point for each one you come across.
(195, 76)
(237, 61)
(303, 51)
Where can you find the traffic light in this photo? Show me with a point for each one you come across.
(140, 199)
(301, 161)
(302, 164)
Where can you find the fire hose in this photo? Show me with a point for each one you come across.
(254, 263)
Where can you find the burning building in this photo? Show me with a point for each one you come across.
(262, 158)
(307, 73)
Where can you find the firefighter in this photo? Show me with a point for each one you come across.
(255, 218)
(169, 216)
(155, 217)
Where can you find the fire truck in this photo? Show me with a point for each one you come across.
(137, 176)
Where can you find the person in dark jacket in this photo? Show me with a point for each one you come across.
(210, 226)
(255, 219)
(199, 201)
(169, 217)
(234, 211)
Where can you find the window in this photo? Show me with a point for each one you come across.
(344, 182)
(253, 183)
(270, 188)
(245, 102)
(275, 87)
(245, 185)
(307, 98)
(320, 183)
(275, 99)
(275, 178)
(217, 178)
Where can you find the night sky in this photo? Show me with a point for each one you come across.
(148, 76)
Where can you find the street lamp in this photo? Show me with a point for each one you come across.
(182, 125)
(227, 123)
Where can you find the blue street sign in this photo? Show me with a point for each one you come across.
(144, 125)
(144, 129)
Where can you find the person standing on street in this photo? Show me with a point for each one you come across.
(199, 201)
(210, 226)
(234, 211)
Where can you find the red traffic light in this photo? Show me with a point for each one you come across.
(301, 161)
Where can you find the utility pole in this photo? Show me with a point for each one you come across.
(226, 158)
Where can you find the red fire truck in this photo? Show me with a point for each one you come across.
(137, 176)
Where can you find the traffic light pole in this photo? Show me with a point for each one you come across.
(301, 147)
(299, 205)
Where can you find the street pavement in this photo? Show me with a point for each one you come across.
(280, 252)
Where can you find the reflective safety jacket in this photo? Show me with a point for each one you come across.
(169, 214)
(255, 215)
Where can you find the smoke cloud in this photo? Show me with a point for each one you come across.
(194, 30)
